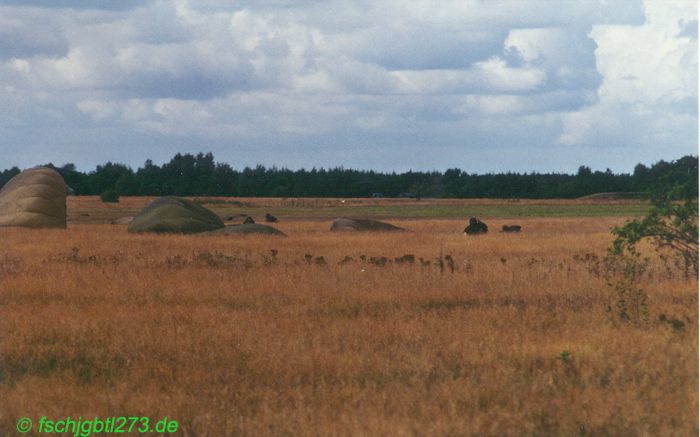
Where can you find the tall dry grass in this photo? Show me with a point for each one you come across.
(226, 338)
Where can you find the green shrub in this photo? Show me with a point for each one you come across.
(669, 225)
(109, 196)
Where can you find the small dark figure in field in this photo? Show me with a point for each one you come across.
(475, 227)
(320, 261)
(270, 218)
(406, 259)
(378, 261)
(676, 324)
(440, 264)
(511, 228)
(450, 263)
(345, 260)
(248, 220)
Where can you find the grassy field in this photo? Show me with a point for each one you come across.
(88, 209)
(313, 334)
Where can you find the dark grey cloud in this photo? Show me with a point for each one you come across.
(189, 84)
(24, 36)
(406, 49)
(180, 71)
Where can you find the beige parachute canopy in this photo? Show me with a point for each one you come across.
(353, 224)
(175, 215)
(123, 220)
(35, 198)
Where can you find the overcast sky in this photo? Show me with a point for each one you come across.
(482, 85)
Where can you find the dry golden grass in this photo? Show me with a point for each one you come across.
(220, 335)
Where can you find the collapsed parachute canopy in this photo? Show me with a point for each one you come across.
(353, 224)
(35, 198)
(175, 215)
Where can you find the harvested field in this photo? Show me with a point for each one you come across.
(313, 334)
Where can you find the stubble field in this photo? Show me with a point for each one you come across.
(490, 335)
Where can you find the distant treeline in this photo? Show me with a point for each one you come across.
(200, 175)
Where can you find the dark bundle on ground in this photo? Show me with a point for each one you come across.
(511, 228)
(476, 227)
(270, 218)
(248, 221)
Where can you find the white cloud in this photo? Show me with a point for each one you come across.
(494, 104)
(568, 57)
(648, 97)
(497, 74)
(275, 78)
(98, 110)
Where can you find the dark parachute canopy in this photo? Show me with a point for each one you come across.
(175, 215)
(476, 227)
(35, 198)
(353, 224)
